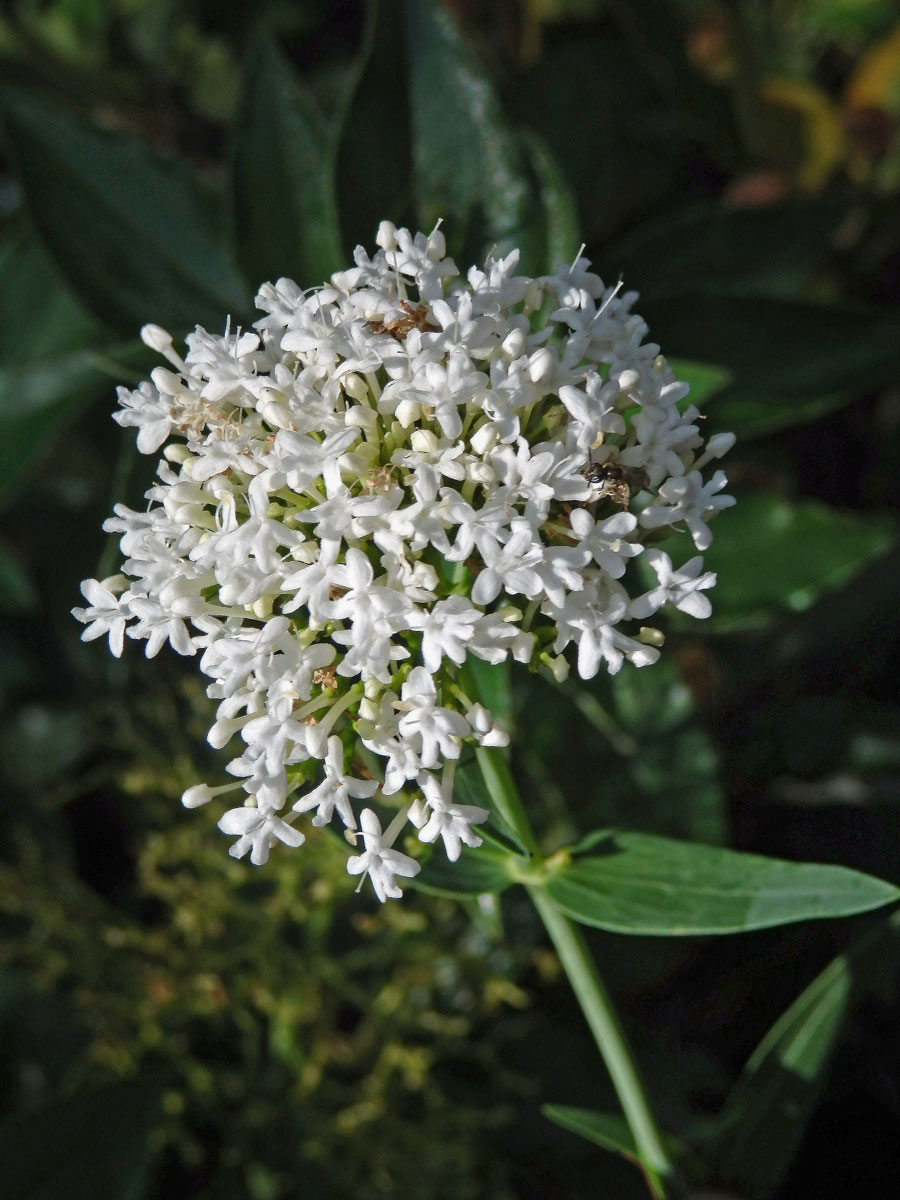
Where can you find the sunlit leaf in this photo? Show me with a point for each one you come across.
(469, 168)
(638, 883)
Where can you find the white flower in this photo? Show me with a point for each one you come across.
(445, 630)
(335, 790)
(257, 830)
(105, 614)
(379, 861)
(432, 731)
(150, 412)
(451, 822)
(679, 588)
(386, 475)
(510, 567)
(691, 500)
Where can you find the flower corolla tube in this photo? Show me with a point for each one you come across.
(384, 476)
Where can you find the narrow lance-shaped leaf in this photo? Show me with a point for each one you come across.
(284, 208)
(374, 162)
(136, 236)
(771, 553)
(39, 315)
(640, 884)
(559, 212)
(17, 590)
(469, 167)
(768, 1108)
(475, 872)
(776, 347)
(38, 401)
(610, 1132)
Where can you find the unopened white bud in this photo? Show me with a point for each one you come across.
(156, 338)
(116, 584)
(628, 379)
(361, 418)
(437, 244)
(355, 386)
(541, 364)
(534, 295)
(386, 237)
(650, 636)
(407, 412)
(557, 665)
(202, 793)
(719, 444)
(514, 343)
(485, 439)
(423, 441)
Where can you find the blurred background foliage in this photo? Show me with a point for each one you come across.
(173, 1023)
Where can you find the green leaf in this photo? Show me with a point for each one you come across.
(491, 685)
(595, 98)
(742, 249)
(705, 380)
(284, 206)
(374, 165)
(769, 1107)
(561, 223)
(136, 236)
(38, 402)
(17, 591)
(656, 768)
(95, 1144)
(469, 788)
(603, 1129)
(772, 554)
(778, 349)
(475, 872)
(608, 1131)
(641, 884)
(39, 316)
(759, 416)
(469, 167)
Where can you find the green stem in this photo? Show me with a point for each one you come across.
(581, 971)
(597, 1006)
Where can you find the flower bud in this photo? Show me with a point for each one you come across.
(157, 339)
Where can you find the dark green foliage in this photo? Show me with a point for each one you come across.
(94, 1144)
(172, 1024)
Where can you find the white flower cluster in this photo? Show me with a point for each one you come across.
(389, 473)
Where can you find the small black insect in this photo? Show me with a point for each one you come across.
(615, 481)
